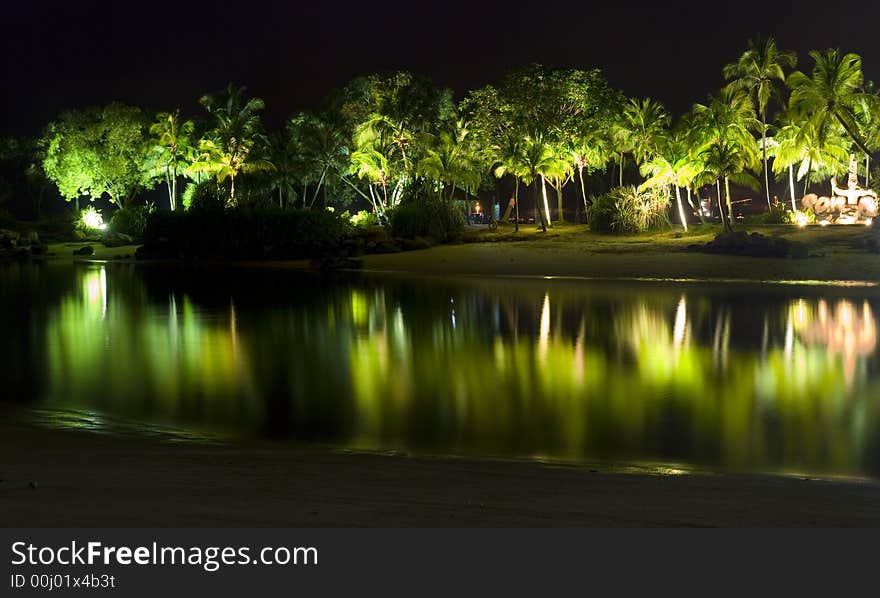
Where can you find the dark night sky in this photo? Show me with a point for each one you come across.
(161, 54)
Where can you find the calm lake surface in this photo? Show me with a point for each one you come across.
(721, 377)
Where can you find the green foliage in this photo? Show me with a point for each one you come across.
(96, 152)
(234, 143)
(172, 150)
(364, 219)
(440, 221)
(206, 195)
(131, 221)
(776, 215)
(625, 210)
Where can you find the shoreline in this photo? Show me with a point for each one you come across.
(836, 254)
(84, 479)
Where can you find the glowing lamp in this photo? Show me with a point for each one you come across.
(92, 219)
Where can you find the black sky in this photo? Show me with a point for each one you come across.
(161, 55)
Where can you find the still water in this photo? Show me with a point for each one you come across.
(723, 377)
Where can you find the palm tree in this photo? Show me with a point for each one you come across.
(800, 145)
(589, 152)
(640, 130)
(868, 115)
(725, 162)
(373, 165)
(450, 161)
(507, 158)
(674, 166)
(323, 151)
(227, 150)
(539, 162)
(173, 150)
(828, 96)
(756, 72)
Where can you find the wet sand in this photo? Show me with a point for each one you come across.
(86, 479)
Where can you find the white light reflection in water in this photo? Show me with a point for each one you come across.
(95, 288)
(679, 331)
(544, 330)
(845, 330)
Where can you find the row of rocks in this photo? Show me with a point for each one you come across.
(14, 244)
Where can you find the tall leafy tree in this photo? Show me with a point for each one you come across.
(640, 130)
(827, 97)
(723, 161)
(173, 150)
(229, 148)
(96, 152)
(757, 72)
(450, 161)
(392, 118)
(673, 166)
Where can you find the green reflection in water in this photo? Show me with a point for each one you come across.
(716, 377)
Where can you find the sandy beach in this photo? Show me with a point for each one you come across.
(72, 479)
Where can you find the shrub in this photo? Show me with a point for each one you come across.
(601, 214)
(364, 219)
(440, 221)
(205, 195)
(245, 233)
(131, 221)
(776, 215)
(626, 210)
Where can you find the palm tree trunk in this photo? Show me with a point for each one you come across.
(232, 189)
(807, 176)
(698, 210)
(170, 193)
(764, 154)
(721, 207)
(729, 204)
(560, 215)
(318, 188)
(621, 169)
(867, 168)
(546, 203)
(537, 209)
(583, 189)
(791, 187)
(516, 205)
(680, 208)
(280, 198)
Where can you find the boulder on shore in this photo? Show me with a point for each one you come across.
(752, 245)
(117, 240)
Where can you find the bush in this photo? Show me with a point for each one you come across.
(245, 233)
(602, 214)
(205, 195)
(776, 215)
(435, 220)
(625, 210)
(131, 221)
(364, 219)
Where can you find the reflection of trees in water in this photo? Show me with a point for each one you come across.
(525, 368)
